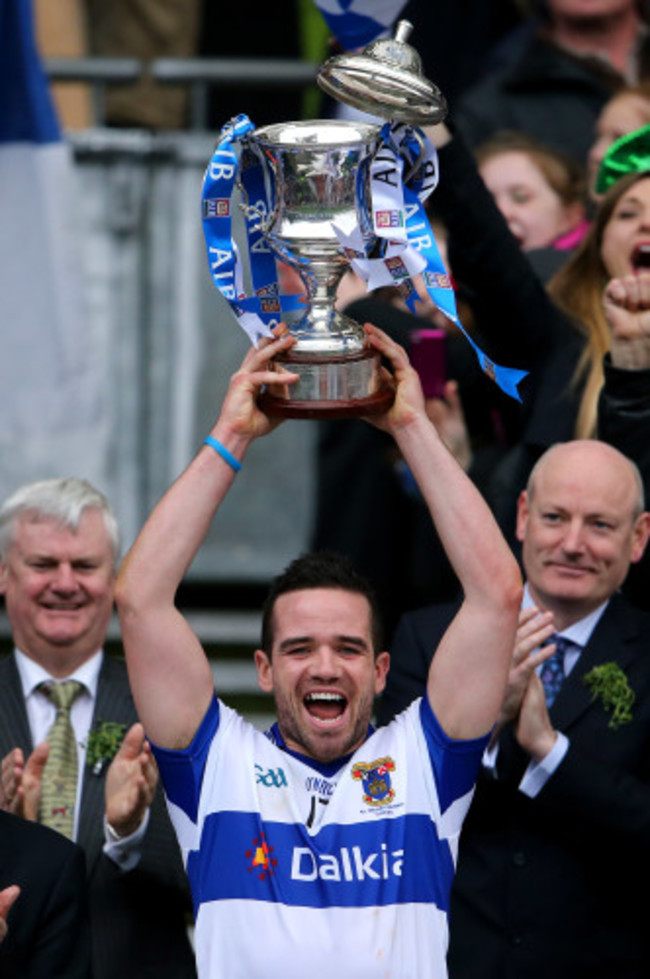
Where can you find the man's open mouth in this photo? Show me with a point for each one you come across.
(325, 706)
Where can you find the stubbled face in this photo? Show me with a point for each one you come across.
(535, 214)
(620, 116)
(322, 671)
(578, 530)
(625, 247)
(58, 588)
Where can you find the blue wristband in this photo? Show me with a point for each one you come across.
(223, 452)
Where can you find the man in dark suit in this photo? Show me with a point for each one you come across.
(44, 926)
(556, 844)
(552, 77)
(59, 545)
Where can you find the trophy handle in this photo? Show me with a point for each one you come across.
(420, 139)
(257, 211)
(254, 211)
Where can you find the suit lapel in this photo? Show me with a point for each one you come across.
(613, 639)
(14, 726)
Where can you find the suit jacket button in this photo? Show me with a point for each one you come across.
(519, 858)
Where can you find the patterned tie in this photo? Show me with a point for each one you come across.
(552, 672)
(59, 784)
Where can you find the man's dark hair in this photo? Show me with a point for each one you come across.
(320, 569)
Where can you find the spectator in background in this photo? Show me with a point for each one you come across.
(59, 546)
(624, 403)
(145, 29)
(558, 334)
(458, 42)
(142, 29)
(44, 923)
(556, 845)
(616, 246)
(558, 74)
(540, 200)
(60, 30)
(541, 194)
(625, 112)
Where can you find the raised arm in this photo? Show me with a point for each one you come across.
(624, 404)
(467, 678)
(169, 673)
(487, 258)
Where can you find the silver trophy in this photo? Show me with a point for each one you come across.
(320, 175)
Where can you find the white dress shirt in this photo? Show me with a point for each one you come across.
(41, 713)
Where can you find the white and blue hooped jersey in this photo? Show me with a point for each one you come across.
(299, 872)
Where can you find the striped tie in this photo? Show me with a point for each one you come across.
(59, 784)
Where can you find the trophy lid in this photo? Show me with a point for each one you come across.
(385, 80)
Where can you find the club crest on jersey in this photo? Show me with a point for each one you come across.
(375, 778)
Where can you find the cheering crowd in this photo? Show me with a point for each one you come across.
(458, 779)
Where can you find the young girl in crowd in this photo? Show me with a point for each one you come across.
(627, 111)
(558, 334)
(618, 244)
(539, 192)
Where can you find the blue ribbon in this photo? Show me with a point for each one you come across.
(439, 287)
(216, 204)
(233, 162)
(420, 237)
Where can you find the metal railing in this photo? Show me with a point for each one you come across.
(201, 74)
(198, 74)
(98, 73)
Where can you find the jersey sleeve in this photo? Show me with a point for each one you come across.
(182, 771)
(455, 764)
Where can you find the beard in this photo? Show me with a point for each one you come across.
(323, 746)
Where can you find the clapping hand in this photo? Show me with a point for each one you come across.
(535, 627)
(534, 730)
(131, 782)
(20, 781)
(7, 897)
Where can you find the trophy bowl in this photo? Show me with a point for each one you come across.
(306, 193)
(319, 172)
